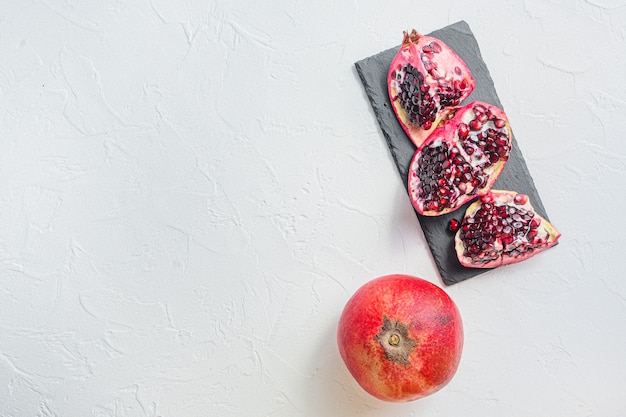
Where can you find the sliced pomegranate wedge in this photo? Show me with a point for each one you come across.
(461, 159)
(425, 78)
(502, 228)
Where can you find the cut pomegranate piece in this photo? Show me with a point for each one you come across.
(502, 228)
(460, 160)
(426, 78)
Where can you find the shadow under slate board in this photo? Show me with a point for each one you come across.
(514, 177)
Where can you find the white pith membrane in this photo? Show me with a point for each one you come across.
(502, 228)
(447, 172)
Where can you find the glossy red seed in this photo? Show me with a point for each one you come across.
(479, 109)
(463, 131)
(487, 198)
(475, 125)
(520, 199)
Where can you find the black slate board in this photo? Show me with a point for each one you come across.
(514, 177)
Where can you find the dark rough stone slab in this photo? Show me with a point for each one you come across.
(515, 177)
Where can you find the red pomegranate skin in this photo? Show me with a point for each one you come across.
(425, 352)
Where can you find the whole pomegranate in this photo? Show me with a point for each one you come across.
(401, 337)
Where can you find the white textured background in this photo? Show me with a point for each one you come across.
(191, 190)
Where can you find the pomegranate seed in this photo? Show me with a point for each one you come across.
(463, 131)
(435, 47)
(475, 125)
(499, 123)
(479, 109)
(520, 199)
(457, 71)
(453, 226)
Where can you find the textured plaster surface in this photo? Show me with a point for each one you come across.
(191, 190)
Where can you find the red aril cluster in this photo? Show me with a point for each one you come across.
(460, 160)
(502, 228)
